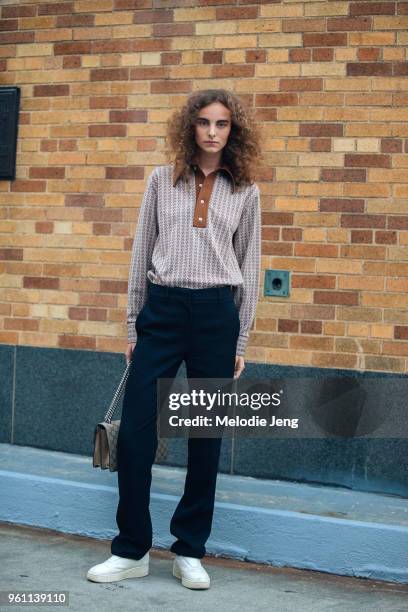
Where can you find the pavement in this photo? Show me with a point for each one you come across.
(38, 559)
(270, 522)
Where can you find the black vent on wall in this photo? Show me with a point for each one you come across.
(9, 107)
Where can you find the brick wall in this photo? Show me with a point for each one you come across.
(329, 80)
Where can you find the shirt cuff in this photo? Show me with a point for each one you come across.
(241, 344)
(132, 334)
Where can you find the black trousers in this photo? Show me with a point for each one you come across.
(200, 326)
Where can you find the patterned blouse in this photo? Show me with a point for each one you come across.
(199, 234)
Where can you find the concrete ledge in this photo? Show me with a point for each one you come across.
(275, 522)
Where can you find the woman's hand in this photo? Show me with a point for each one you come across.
(239, 365)
(129, 351)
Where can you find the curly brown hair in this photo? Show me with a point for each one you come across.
(243, 148)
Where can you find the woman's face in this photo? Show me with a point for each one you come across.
(212, 127)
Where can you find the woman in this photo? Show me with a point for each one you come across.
(192, 295)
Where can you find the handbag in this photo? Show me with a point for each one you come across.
(106, 434)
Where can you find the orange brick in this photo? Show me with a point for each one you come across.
(333, 360)
(334, 328)
(358, 329)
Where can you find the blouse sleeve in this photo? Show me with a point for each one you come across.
(143, 244)
(247, 247)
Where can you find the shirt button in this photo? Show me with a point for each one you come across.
(202, 201)
(200, 184)
(200, 218)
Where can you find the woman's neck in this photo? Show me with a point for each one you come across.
(207, 162)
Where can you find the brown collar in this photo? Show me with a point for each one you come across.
(176, 174)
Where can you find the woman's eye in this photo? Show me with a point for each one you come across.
(203, 122)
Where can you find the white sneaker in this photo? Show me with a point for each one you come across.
(119, 568)
(191, 572)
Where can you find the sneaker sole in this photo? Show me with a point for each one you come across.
(190, 584)
(134, 572)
